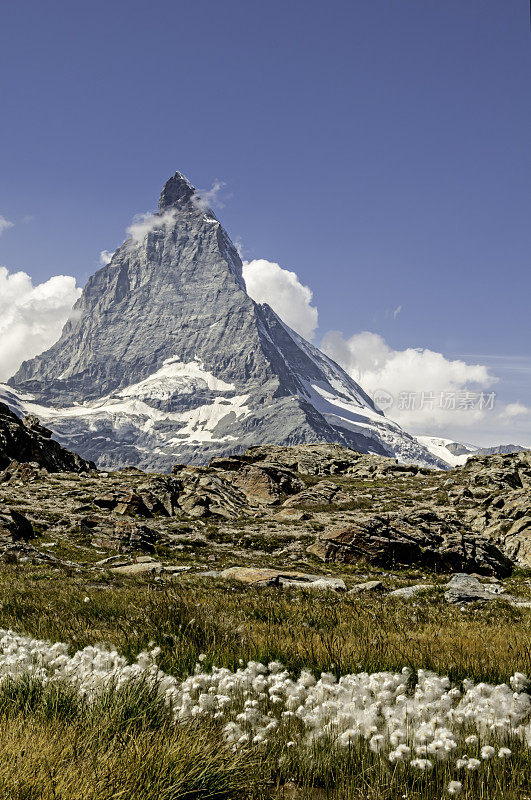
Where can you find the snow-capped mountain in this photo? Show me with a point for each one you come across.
(454, 454)
(167, 359)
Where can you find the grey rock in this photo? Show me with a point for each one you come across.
(174, 361)
(407, 592)
(461, 580)
(503, 485)
(14, 527)
(256, 576)
(424, 537)
(369, 587)
(463, 588)
(134, 570)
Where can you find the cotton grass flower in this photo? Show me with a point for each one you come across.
(422, 764)
(455, 787)
(259, 705)
(487, 752)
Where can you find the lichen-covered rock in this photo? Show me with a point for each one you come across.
(421, 538)
(14, 527)
(255, 576)
(25, 473)
(493, 494)
(122, 535)
(322, 494)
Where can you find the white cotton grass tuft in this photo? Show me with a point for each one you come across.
(455, 787)
(258, 705)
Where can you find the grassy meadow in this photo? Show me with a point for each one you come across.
(125, 745)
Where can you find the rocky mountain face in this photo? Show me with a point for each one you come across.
(166, 358)
(26, 440)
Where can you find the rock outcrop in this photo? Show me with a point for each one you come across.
(494, 496)
(14, 527)
(26, 441)
(350, 508)
(422, 538)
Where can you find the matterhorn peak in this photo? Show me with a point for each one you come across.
(177, 191)
(167, 359)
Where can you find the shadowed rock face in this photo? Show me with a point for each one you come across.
(171, 360)
(436, 541)
(26, 441)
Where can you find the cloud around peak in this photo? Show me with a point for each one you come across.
(268, 282)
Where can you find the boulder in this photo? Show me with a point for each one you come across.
(322, 494)
(369, 587)
(291, 515)
(122, 535)
(517, 541)
(257, 485)
(422, 538)
(497, 472)
(108, 500)
(132, 505)
(265, 483)
(27, 472)
(463, 588)
(205, 494)
(14, 527)
(255, 576)
(144, 568)
(407, 592)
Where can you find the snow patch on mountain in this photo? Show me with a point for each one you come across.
(439, 447)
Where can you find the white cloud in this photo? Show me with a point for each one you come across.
(427, 391)
(143, 224)
(5, 224)
(31, 317)
(268, 282)
(105, 257)
(397, 311)
(206, 198)
(512, 410)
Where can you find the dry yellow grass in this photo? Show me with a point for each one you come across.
(120, 753)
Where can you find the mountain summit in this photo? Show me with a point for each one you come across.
(166, 358)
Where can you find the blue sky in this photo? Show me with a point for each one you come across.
(380, 149)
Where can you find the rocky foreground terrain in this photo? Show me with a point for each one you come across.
(317, 516)
(314, 619)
